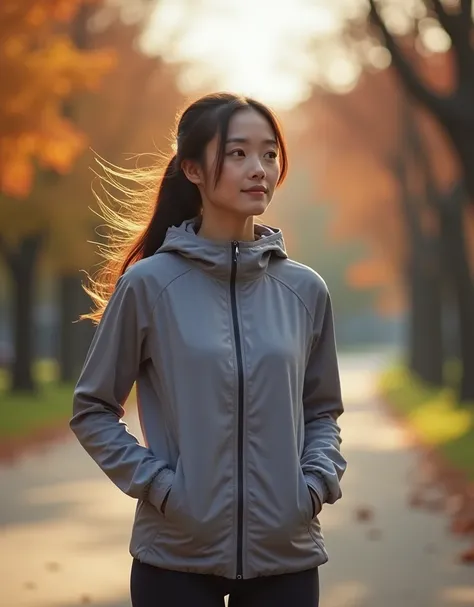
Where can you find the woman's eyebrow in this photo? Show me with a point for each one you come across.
(244, 140)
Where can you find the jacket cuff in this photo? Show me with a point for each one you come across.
(159, 487)
(317, 484)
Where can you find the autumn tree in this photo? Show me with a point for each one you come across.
(120, 124)
(53, 222)
(390, 170)
(450, 101)
(451, 104)
(351, 150)
(41, 68)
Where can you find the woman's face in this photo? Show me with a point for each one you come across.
(250, 170)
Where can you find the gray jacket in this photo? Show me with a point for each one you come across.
(233, 352)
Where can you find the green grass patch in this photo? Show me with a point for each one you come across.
(435, 414)
(23, 413)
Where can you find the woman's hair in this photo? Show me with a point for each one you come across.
(138, 228)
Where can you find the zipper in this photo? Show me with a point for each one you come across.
(240, 438)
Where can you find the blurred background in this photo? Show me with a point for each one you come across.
(377, 103)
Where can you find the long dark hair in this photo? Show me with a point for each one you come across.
(139, 227)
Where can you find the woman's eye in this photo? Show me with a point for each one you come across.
(273, 155)
(237, 153)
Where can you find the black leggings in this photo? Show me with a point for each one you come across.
(155, 587)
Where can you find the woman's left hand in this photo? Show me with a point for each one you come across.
(317, 507)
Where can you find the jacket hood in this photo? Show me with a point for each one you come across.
(215, 256)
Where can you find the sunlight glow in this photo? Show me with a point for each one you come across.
(343, 74)
(253, 47)
(434, 37)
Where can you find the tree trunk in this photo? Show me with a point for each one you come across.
(67, 308)
(74, 337)
(459, 273)
(452, 257)
(424, 275)
(426, 353)
(462, 138)
(22, 264)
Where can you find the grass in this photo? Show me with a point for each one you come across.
(23, 413)
(437, 418)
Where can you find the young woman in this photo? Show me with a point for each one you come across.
(232, 348)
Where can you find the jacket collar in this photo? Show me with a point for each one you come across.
(215, 257)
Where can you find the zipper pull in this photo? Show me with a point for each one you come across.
(235, 251)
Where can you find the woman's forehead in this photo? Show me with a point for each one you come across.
(250, 124)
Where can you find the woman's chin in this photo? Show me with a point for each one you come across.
(254, 207)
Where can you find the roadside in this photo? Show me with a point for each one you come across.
(64, 528)
(434, 414)
(444, 431)
(32, 422)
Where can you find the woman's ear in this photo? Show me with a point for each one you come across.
(193, 171)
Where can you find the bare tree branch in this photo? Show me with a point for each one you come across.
(6, 253)
(445, 19)
(465, 27)
(458, 26)
(466, 9)
(438, 105)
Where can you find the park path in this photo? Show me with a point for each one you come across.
(64, 528)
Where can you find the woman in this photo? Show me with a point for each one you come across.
(232, 347)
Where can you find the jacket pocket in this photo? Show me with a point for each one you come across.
(308, 512)
(202, 516)
(170, 504)
(146, 527)
(315, 532)
(178, 510)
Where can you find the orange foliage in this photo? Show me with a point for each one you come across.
(353, 142)
(368, 274)
(40, 68)
(376, 271)
(132, 114)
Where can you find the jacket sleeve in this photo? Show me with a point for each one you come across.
(322, 462)
(109, 372)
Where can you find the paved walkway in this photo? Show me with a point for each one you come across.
(64, 528)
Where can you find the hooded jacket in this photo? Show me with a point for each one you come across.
(232, 348)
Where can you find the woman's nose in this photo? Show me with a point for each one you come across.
(258, 172)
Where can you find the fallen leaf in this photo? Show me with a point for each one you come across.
(462, 525)
(364, 513)
(454, 504)
(467, 557)
(415, 500)
(30, 585)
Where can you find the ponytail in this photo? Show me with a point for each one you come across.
(138, 227)
(131, 238)
(178, 199)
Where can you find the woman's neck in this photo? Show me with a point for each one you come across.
(214, 227)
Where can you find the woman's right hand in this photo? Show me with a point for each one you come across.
(165, 501)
